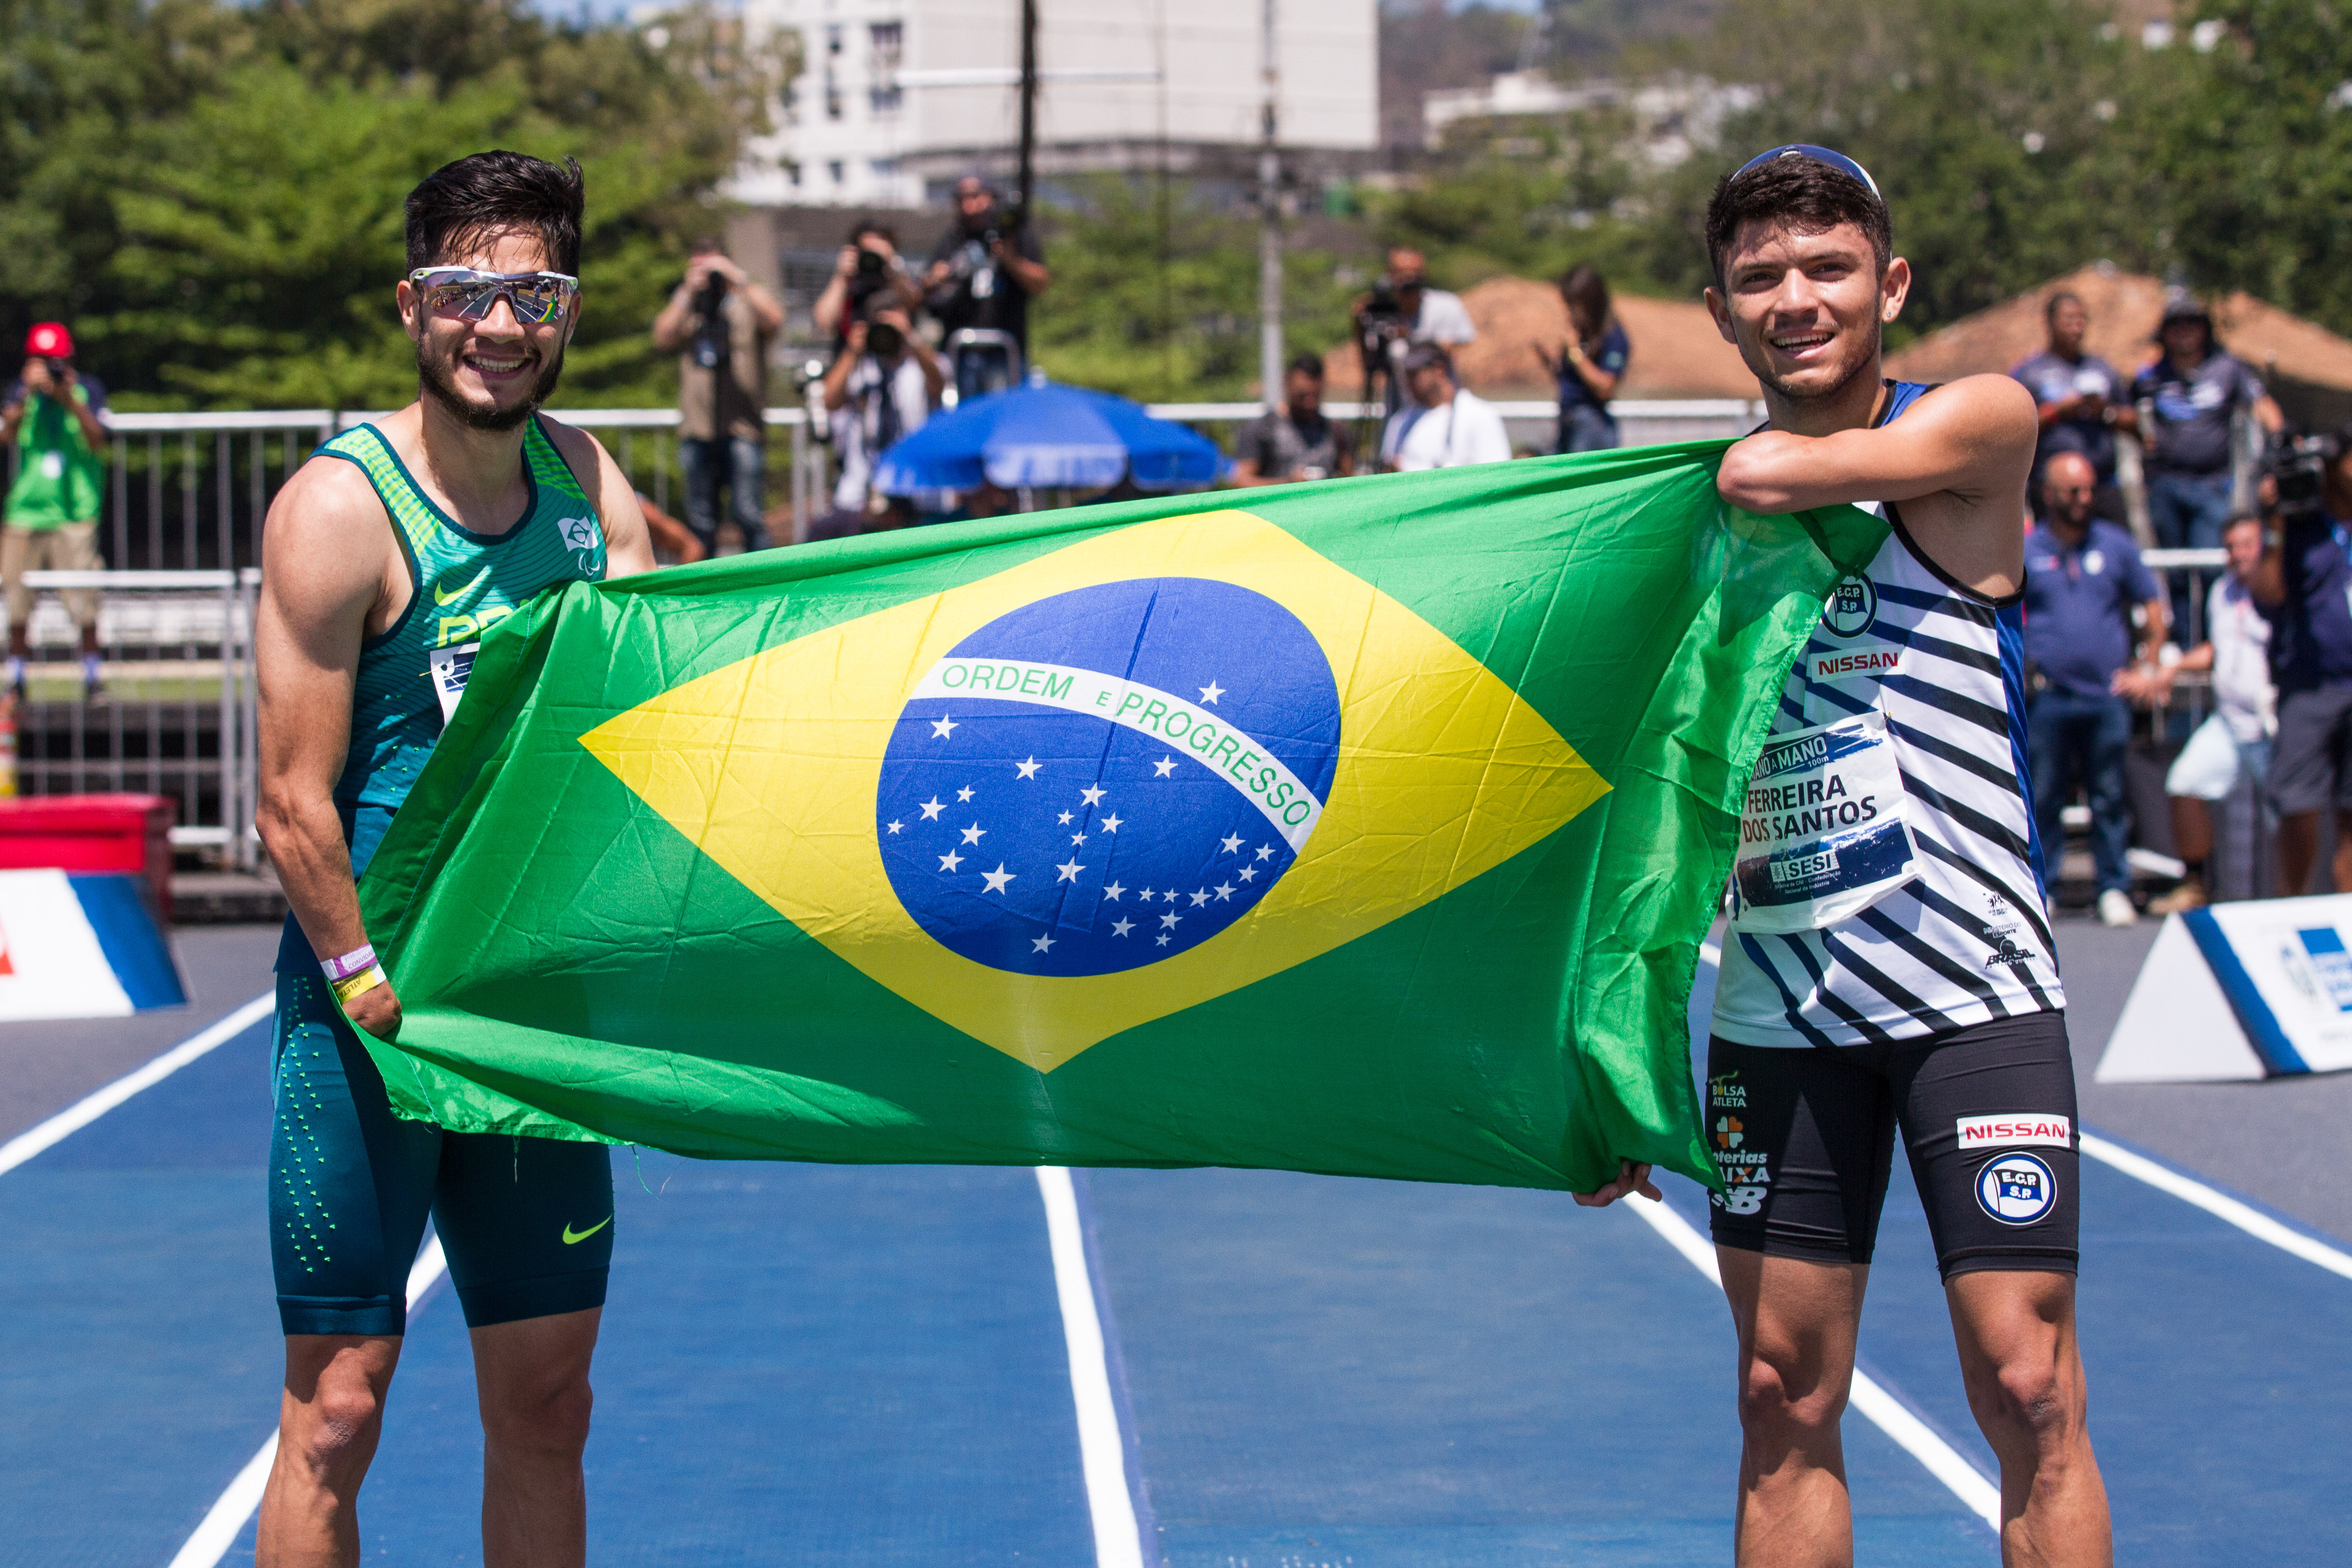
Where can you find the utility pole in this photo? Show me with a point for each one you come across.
(1028, 111)
(1269, 239)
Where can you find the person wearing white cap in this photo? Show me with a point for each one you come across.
(55, 418)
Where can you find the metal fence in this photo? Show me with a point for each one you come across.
(182, 540)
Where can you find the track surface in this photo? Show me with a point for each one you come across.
(830, 1365)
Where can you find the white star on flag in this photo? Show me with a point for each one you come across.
(1163, 767)
(1265, 851)
(1070, 869)
(1163, 938)
(1120, 928)
(943, 727)
(1028, 769)
(1113, 892)
(896, 825)
(964, 794)
(1092, 795)
(932, 807)
(1110, 824)
(1249, 873)
(1232, 844)
(1199, 897)
(1224, 891)
(1211, 692)
(1064, 819)
(996, 879)
(973, 833)
(1170, 921)
(950, 860)
(1078, 838)
(1041, 944)
(1147, 895)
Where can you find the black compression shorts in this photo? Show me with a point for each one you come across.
(1804, 1139)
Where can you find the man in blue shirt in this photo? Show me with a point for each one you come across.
(2083, 575)
(2080, 399)
(2196, 390)
(2304, 587)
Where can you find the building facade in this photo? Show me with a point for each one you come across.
(896, 98)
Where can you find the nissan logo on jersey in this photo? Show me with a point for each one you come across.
(2016, 1131)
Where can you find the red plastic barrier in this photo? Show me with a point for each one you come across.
(93, 833)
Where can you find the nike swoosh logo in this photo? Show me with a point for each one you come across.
(441, 598)
(572, 1238)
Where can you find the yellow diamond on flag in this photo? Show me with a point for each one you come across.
(775, 767)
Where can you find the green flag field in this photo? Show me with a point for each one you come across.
(1367, 827)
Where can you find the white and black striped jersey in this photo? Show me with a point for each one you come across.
(1968, 941)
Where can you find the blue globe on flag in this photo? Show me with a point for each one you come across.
(1108, 777)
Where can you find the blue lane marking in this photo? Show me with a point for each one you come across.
(138, 1348)
(1386, 1373)
(829, 1366)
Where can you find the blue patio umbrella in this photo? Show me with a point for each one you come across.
(1048, 436)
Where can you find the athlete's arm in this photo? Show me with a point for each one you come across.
(326, 562)
(1956, 460)
(628, 541)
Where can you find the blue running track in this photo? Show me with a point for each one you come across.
(837, 1365)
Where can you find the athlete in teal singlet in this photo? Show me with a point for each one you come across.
(383, 562)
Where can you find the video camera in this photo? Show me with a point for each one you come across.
(2298, 468)
(1381, 323)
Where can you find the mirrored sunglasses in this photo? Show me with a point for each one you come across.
(1834, 159)
(537, 297)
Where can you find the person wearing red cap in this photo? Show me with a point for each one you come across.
(52, 415)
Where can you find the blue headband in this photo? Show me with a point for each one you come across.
(1836, 160)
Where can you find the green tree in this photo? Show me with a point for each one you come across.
(1173, 321)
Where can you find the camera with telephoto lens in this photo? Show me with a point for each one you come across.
(710, 345)
(873, 276)
(2299, 469)
(1381, 323)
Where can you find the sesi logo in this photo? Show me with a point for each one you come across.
(2012, 1131)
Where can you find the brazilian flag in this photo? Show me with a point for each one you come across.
(1367, 827)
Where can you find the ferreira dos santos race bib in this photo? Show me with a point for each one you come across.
(1822, 835)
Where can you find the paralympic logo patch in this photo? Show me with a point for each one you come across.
(2017, 1189)
(1108, 777)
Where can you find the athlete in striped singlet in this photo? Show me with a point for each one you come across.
(383, 561)
(1889, 963)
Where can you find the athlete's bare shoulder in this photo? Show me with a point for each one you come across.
(327, 550)
(628, 545)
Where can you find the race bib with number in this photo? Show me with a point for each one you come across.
(1822, 833)
(450, 666)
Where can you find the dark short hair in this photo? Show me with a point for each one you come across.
(461, 204)
(1802, 193)
(2257, 518)
(2050, 306)
(1308, 366)
(1423, 355)
(865, 227)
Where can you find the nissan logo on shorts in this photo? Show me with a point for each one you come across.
(2016, 1189)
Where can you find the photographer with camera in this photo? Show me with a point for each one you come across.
(984, 273)
(1442, 427)
(883, 385)
(1589, 364)
(1293, 442)
(1400, 312)
(2304, 588)
(52, 415)
(720, 323)
(869, 264)
(2193, 390)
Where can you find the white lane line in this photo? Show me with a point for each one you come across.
(1977, 1495)
(226, 1519)
(1117, 1541)
(2190, 1190)
(81, 1113)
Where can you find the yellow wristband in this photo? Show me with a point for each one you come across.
(351, 985)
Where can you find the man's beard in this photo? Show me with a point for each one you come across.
(438, 380)
(1861, 364)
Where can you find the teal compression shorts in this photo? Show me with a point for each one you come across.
(527, 1223)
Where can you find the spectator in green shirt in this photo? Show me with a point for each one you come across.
(51, 415)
